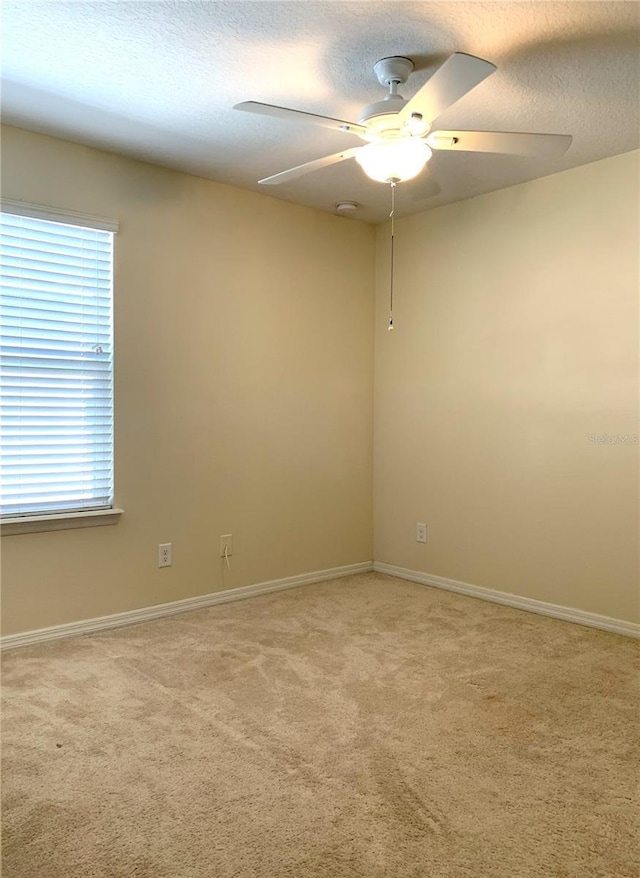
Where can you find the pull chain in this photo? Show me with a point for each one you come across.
(393, 218)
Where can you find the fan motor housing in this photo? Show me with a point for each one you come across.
(382, 114)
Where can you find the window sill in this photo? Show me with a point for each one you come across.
(28, 524)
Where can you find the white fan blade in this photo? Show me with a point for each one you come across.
(510, 143)
(300, 116)
(451, 81)
(299, 170)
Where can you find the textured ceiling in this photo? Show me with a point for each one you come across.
(158, 80)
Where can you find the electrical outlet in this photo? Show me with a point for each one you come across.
(226, 545)
(165, 554)
(421, 532)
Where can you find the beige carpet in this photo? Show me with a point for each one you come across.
(364, 727)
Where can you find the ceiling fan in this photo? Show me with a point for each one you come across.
(397, 132)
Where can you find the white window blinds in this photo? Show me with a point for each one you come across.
(56, 396)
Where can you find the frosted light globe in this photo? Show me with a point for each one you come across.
(395, 160)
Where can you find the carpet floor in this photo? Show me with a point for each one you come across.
(363, 727)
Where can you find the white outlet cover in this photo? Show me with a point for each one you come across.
(165, 555)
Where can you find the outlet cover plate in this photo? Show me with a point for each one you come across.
(165, 554)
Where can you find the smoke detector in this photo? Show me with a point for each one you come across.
(346, 208)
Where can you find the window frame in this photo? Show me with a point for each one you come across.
(62, 520)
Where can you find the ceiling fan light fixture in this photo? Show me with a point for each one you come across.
(396, 160)
(416, 125)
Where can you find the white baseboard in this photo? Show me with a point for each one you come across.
(567, 614)
(147, 614)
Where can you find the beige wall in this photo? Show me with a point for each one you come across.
(516, 338)
(243, 389)
(244, 331)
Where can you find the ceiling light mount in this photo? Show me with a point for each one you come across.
(393, 70)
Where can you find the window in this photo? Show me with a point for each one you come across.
(56, 362)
